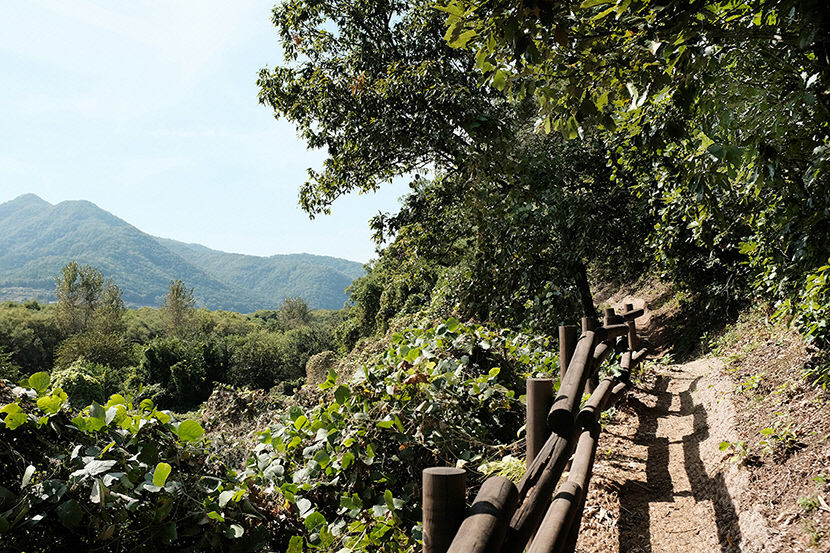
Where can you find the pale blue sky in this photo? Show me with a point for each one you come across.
(149, 110)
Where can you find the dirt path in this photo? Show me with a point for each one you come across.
(661, 484)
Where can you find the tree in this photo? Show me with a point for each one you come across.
(178, 308)
(85, 302)
(373, 82)
(293, 313)
(722, 107)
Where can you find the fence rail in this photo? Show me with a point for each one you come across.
(541, 514)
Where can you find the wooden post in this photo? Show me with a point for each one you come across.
(567, 345)
(609, 316)
(580, 473)
(562, 412)
(539, 400)
(485, 526)
(558, 521)
(588, 323)
(633, 341)
(596, 404)
(444, 504)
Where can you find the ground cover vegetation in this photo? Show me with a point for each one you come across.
(692, 142)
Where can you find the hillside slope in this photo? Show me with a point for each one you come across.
(277, 276)
(38, 238)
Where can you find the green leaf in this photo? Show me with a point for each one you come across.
(39, 381)
(314, 520)
(224, 497)
(341, 394)
(216, 516)
(295, 545)
(601, 101)
(592, 3)
(463, 39)
(500, 82)
(452, 324)
(161, 473)
(169, 534)
(51, 404)
(27, 476)
(189, 431)
(572, 128)
(70, 513)
(15, 416)
(116, 399)
(300, 422)
(347, 460)
(96, 467)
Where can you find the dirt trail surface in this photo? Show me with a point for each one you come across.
(661, 484)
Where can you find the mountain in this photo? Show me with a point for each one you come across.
(38, 238)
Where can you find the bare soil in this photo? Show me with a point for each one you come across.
(663, 483)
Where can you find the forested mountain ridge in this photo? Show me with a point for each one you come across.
(37, 238)
(289, 275)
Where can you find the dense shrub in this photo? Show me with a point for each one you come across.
(29, 334)
(350, 463)
(8, 370)
(179, 373)
(97, 347)
(258, 361)
(82, 381)
(115, 477)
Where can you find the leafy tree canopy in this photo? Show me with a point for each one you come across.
(720, 107)
(373, 82)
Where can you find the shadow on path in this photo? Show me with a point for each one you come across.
(638, 498)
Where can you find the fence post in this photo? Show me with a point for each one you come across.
(539, 400)
(588, 323)
(609, 316)
(567, 345)
(633, 341)
(444, 504)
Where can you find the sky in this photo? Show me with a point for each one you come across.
(149, 110)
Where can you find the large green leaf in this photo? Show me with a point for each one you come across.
(189, 431)
(161, 473)
(39, 381)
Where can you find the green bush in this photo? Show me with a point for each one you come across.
(29, 335)
(113, 477)
(8, 370)
(179, 373)
(258, 361)
(350, 462)
(82, 382)
(97, 347)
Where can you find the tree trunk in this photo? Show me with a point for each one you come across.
(584, 288)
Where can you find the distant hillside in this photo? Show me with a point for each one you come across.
(282, 276)
(38, 238)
